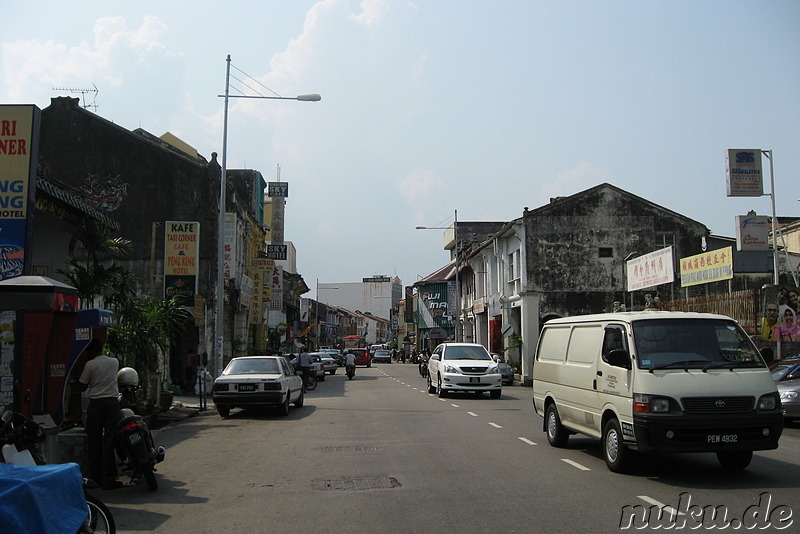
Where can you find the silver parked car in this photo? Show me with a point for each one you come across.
(251, 381)
(789, 391)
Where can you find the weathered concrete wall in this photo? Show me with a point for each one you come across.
(576, 247)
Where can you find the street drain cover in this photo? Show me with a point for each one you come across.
(356, 448)
(356, 484)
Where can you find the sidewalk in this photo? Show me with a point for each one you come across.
(182, 408)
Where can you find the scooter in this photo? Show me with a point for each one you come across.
(133, 440)
(20, 437)
(351, 371)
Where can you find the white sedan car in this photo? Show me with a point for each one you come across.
(463, 367)
(251, 381)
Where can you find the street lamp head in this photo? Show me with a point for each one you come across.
(309, 98)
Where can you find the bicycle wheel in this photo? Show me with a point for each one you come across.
(100, 519)
(312, 383)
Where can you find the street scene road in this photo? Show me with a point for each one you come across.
(380, 454)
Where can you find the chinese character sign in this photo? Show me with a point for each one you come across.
(710, 266)
(651, 270)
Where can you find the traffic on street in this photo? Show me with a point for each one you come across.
(379, 453)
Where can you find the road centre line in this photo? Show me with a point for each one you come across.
(575, 464)
(455, 406)
(526, 440)
(669, 509)
(473, 414)
(495, 425)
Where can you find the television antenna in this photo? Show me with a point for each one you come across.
(83, 92)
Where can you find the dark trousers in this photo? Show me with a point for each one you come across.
(102, 417)
(305, 371)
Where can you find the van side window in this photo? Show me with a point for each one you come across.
(614, 338)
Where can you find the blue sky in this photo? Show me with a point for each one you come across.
(437, 105)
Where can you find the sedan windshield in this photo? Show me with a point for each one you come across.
(266, 366)
(693, 344)
(466, 353)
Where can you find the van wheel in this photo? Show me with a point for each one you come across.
(735, 460)
(557, 435)
(615, 452)
(431, 388)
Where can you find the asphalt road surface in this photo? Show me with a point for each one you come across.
(379, 454)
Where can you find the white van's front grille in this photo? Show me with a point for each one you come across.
(718, 404)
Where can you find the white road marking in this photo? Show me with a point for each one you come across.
(495, 425)
(575, 464)
(526, 440)
(473, 414)
(455, 406)
(661, 505)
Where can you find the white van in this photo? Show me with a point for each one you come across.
(656, 381)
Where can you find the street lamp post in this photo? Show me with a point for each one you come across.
(220, 317)
(457, 333)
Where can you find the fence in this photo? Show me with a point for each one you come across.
(744, 306)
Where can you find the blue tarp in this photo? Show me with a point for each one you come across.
(41, 498)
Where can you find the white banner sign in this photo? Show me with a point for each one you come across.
(651, 270)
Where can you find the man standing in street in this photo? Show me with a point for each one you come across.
(99, 377)
(305, 367)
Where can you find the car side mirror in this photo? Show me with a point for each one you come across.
(619, 358)
(435, 357)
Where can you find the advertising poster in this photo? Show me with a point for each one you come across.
(181, 254)
(19, 142)
(743, 172)
(779, 314)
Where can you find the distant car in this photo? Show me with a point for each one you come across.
(337, 355)
(463, 367)
(787, 369)
(789, 391)
(318, 365)
(362, 356)
(329, 363)
(250, 381)
(381, 356)
(506, 371)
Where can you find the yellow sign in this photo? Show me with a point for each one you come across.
(711, 266)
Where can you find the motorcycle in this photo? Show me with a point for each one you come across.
(20, 437)
(423, 367)
(133, 440)
(351, 371)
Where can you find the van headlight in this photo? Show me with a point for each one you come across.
(768, 402)
(492, 370)
(650, 404)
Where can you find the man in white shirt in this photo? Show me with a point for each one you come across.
(99, 378)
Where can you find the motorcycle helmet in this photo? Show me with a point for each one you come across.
(127, 376)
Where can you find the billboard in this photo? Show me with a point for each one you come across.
(743, 172)
(19, 145)
(181, 255)
(752, 232)
(650, 270)
(711, 266)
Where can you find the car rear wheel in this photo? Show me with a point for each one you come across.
(431, 387)
(300, 400)
(283, 409)
(495, 393)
